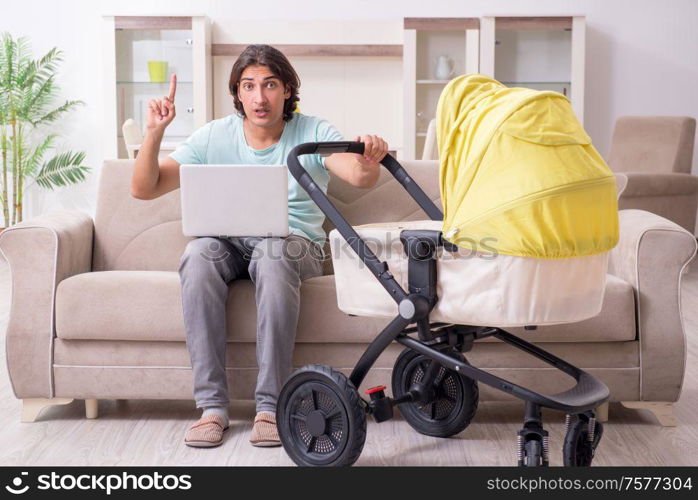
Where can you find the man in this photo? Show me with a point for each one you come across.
(265, 128)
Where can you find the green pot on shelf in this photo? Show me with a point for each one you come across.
(158, 71)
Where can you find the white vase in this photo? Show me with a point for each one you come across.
(444, 68)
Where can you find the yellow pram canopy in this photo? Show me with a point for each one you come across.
(519, 174)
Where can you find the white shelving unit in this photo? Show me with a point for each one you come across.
(130, 42)
(425, 40)
(542, 53)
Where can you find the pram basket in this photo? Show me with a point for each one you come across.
(322, 418)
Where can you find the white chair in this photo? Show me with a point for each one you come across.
(431, 149)
(133, 138)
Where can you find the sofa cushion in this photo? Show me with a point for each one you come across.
(146, 305)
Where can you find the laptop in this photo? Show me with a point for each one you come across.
(234, 200)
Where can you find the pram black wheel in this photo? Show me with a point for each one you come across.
(455, 397)
(578, 450)
(321, 418)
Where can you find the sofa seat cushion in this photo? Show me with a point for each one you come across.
(146, 305)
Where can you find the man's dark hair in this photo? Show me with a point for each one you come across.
(278, 64)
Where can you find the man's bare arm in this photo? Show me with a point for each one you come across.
(359, 170)
(168, 180)
(153, 177)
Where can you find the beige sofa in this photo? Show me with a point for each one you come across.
(96, 307)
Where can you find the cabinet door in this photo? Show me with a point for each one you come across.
(435, 51)
(145, 60)
(541, 53)
(536, 59)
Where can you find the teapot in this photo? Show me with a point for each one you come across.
(444, 68)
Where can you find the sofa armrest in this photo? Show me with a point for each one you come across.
(651, 255)
(41, 252)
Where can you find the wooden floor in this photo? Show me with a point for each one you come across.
(151, 432)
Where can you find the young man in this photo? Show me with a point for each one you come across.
(264, 129)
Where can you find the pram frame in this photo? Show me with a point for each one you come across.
(415, 304)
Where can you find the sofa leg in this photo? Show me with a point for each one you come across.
(31, 407)
(91, 408)
(602, 412)
(663, 411)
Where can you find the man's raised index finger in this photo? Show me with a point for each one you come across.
(173, 87)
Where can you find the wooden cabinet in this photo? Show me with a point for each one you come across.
(435, 50)
(140, 54)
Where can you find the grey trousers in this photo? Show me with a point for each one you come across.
(276, 266)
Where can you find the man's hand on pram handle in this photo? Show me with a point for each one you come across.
(357, 169)
(375, 148)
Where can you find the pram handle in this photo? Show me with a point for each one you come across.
(390, 163)
(376, 266)
(328, 148)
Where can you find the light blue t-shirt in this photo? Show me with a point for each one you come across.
(223, 141)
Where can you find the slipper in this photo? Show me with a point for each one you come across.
(206, 432)
(264, 431)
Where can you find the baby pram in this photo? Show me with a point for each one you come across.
(321, 416)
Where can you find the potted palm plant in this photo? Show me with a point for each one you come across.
(27, 110)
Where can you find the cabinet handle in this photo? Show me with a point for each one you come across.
(190, 110)
(189, 41)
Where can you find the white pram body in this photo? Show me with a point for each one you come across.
(472, 288)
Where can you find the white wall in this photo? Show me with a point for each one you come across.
(641, 55)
